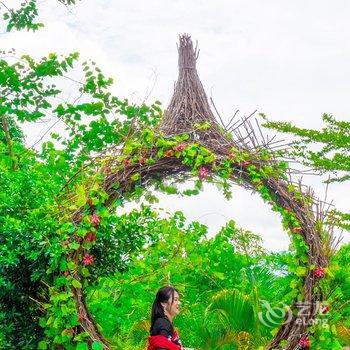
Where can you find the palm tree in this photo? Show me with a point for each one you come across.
(230, 322)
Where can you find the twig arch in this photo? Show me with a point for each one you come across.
(189, 114)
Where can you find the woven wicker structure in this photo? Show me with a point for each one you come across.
(189, 107)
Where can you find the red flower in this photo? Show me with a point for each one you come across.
(142, 160)
(246, 163)
(169, 153)
(88, 259)
(296, 229)
(180, 147)
(304, 342)
(232, 155)
(319, 272)
(203, 172)
(91, 237)
(325, 309)
(95, 220)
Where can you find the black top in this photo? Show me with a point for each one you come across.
(162, 326)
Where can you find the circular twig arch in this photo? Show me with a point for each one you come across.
(189, 114)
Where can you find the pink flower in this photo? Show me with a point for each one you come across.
(304, 342)
(142, 160)
(88, 259)
(325, 309)
(91, 237)
(95, 220)
(232, 155)
(180, 147)
(203, 172)
(319, 272)
(169, 153)
(246, 163)
(296, 229)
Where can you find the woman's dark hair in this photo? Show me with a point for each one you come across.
(163, 295)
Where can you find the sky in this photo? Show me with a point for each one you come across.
(286, 59)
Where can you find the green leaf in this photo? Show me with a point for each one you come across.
(82, 346)
(42, 345)
(74, 245)
(85, 272)
(71, 265)
(96, 345)
(219, 275)
(135, 177)
(334, 329)
(76, 284)
(81, 199)
(301, 271)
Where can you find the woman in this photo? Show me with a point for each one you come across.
(166, 306)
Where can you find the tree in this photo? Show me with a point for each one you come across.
(37, 186)
(333, 157)
(245, 241)
(24, 17)
(326, 150)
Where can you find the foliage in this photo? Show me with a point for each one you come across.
(31, 214)
(246, 242)
(201, 268)
(334, 139)
(326, 150)
(24, 16)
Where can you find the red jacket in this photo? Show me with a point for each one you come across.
(159, 341)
